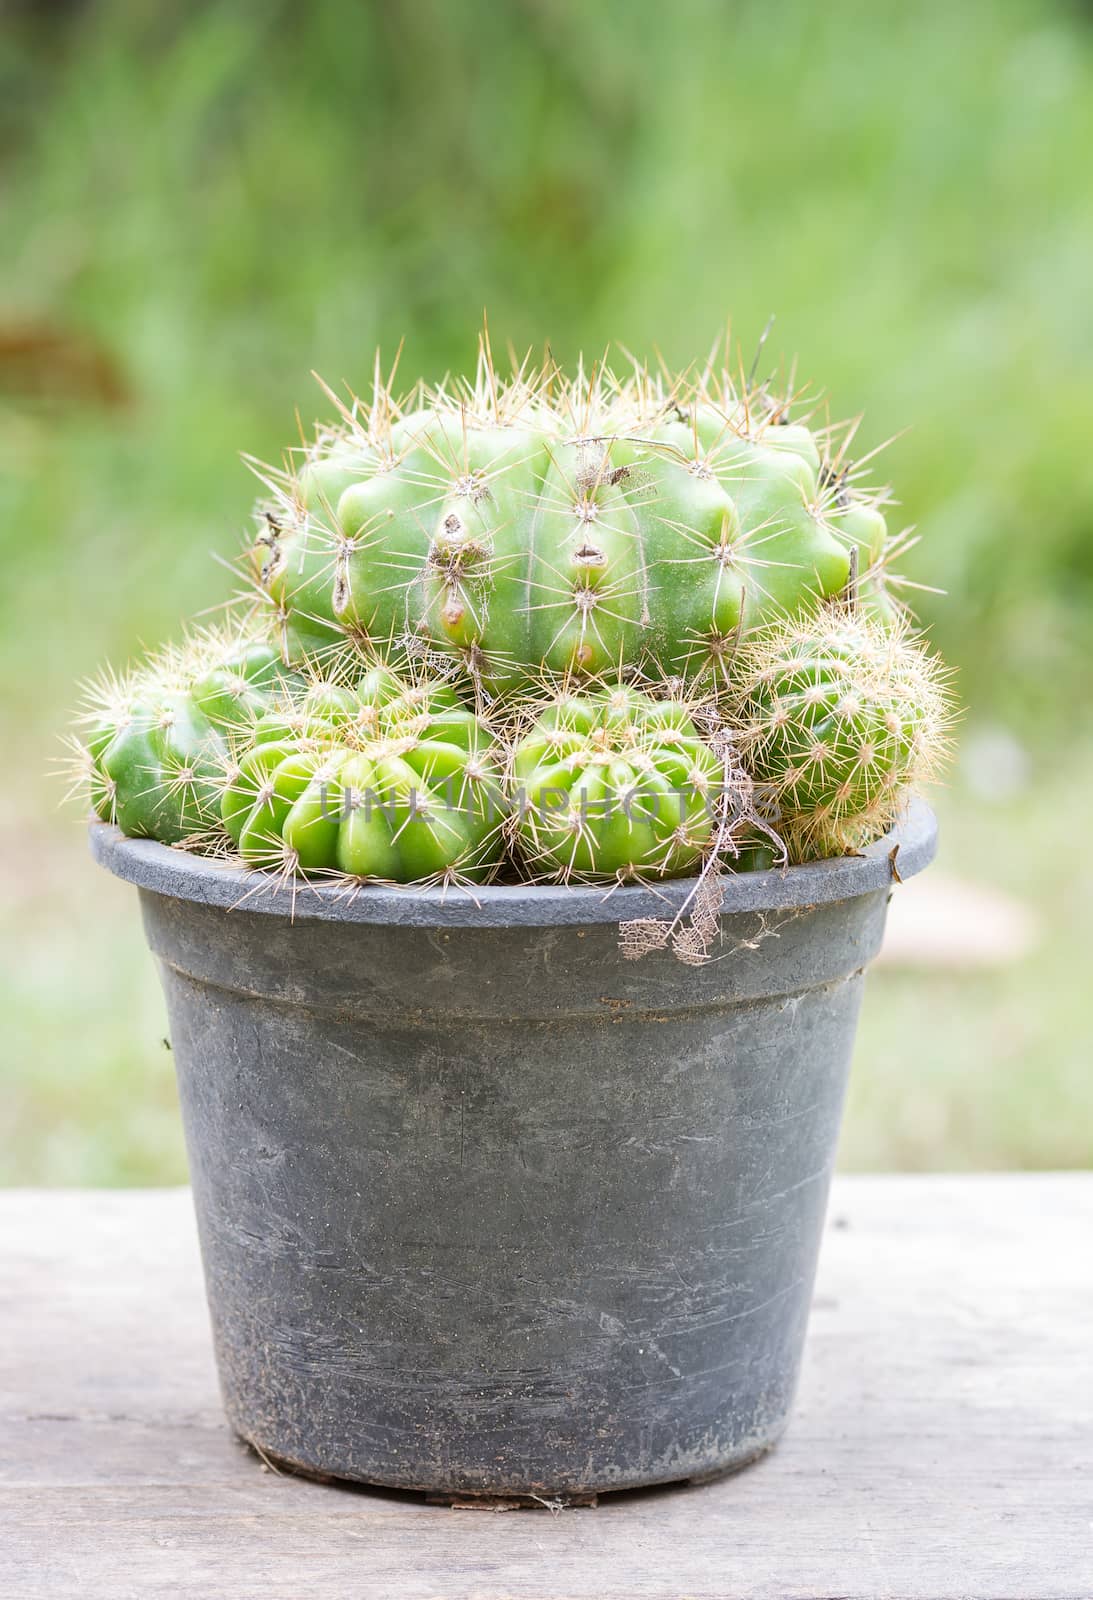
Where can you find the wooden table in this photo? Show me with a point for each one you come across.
(942, 1446)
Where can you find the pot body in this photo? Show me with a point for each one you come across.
(489, 1209)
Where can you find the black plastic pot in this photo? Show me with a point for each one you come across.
(485, 1207)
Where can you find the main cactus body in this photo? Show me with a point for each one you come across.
(583, 528)
(380, 786)
(613, 784)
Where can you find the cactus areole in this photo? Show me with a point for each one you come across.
(512, 858)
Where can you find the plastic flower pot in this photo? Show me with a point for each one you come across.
(485, 1207)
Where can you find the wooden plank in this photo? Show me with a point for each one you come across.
(942, 1446)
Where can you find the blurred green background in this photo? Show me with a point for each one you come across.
(203, 202)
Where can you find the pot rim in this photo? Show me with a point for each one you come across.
(175, 873)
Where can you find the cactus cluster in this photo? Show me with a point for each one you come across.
(540, 628)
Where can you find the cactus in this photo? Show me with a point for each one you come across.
(399, 787)
(153, 762)
(838, 717)
(318, 705)
(433, 566)
(612, 784)
(580, 527)
(233, 680)
(156, 740)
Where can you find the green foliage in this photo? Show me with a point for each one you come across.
(225, 196)
(221, 196)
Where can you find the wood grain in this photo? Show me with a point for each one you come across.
(942, 1445)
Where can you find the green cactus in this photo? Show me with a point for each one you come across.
(154, 762)
(485, 544)
(319, 706)
(838, 718)
(398, 787)
(156, 741)
(234, 681)
(612, 784)
(755, 853)
(578, 527)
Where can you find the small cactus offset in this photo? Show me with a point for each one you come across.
(318, 705)
(376, 786)
(838, 718)
(581, 526)
(612, 784)
(155, 742)
(233, 679)
(153, 761)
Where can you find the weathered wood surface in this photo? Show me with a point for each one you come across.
(942, 1446)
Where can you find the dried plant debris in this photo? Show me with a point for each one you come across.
(743, 840)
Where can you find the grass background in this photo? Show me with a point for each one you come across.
(203, 202)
